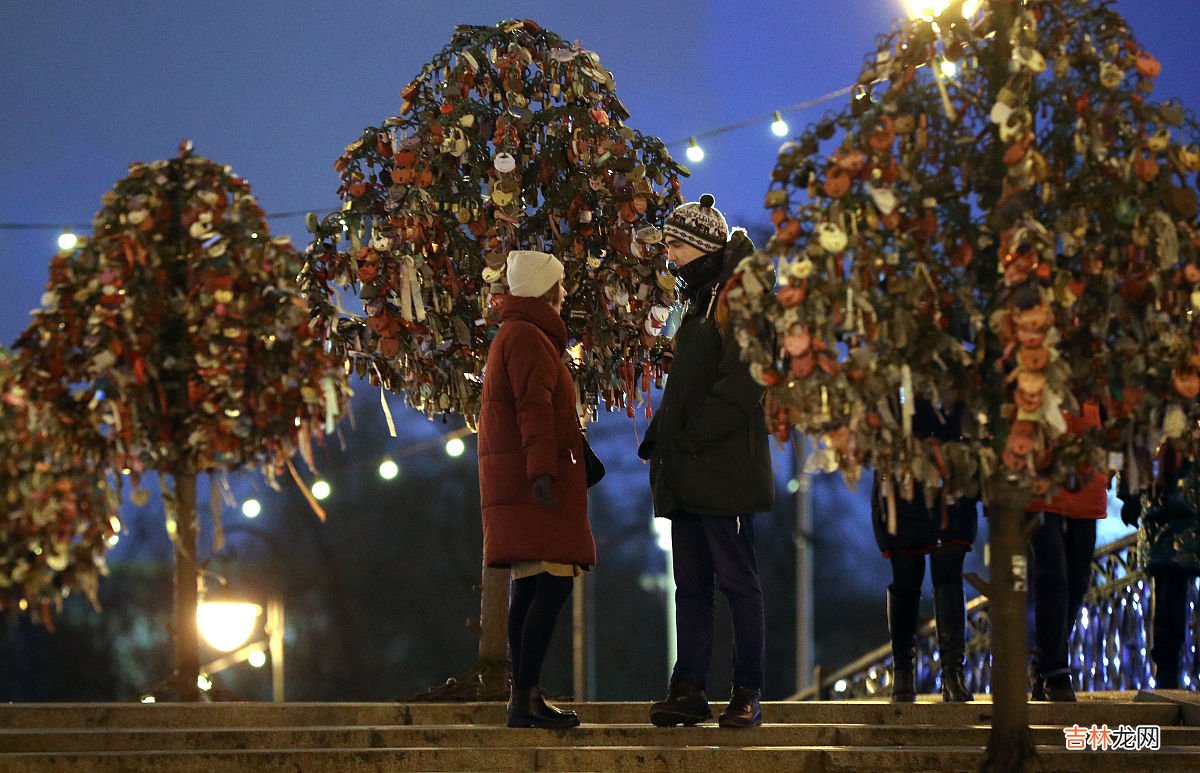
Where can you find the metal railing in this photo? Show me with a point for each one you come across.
(1107, 649)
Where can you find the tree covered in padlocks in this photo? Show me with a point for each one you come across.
(59, 511)
(1015, 232)
(179, 336)
(510, 138)
(180, 325)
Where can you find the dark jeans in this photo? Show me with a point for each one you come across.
(1062, 569)
(1170, 618)
(720, 546)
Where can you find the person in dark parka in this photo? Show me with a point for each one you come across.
(710, 471)
(908, 530)
(532, 484)
(1168, 550)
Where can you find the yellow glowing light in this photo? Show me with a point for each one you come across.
(388, 469)
(257, 659)
(455, 447)
(204, 683)
(251, 508)
(695, 153)
(148, 699)
(949, 69)
(67, 241)
(321, 490)
(931, 9)
(226, 625)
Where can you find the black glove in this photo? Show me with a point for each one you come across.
(1131, 510)
(542, 491)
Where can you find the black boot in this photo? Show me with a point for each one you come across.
(744, 709)
(902, 612)
(685, 704)
(1166, 666)
(1059, 688)
(528, 708)
(950, 609)
(1037, 688)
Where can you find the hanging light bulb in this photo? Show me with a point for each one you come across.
(779, 126)
(251, 508)
(321, 490)
(67, 241)
(695, 153)
(949, 69)
(455, 447)
(388, 469)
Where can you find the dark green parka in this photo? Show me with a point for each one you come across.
(707, 444)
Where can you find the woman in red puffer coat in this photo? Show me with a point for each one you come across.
(1062, 548)
(532, 480)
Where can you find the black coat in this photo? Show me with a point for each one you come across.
(707, 444)
(1169, 533)
(920, 529)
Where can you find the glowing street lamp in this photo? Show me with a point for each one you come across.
(226, 625)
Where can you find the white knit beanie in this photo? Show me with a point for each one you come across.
(699, 224)
(531, 273)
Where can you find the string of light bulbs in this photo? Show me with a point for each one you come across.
(68, 240)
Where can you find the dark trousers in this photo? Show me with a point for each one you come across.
(1062, 569)
(1170, 617)
(721, 547)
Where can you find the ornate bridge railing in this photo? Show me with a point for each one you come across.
(1108, 647)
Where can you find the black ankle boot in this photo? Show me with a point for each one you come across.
(528, 708)
(902, 625)
(744, 709)
(950, 609)
(685, 704)
(1059, 688)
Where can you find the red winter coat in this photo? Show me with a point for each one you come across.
(528, 427)
(1091, 501)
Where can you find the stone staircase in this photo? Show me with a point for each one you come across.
(377, 737)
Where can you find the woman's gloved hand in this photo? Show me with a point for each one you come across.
(543, 492)
(1131, 509)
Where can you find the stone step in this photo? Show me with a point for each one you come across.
(216, 715)
(914, 759)
(71, 740)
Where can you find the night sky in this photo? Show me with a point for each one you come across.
(276, 89)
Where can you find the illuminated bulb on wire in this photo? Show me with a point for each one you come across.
(321, 490)
(949, 69)
(455, 447)
(251, 508)
(388, 469)
(257, 659)
(695, 153)
(67, 241)
(779, 126)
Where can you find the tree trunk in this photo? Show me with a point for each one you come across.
(1010, 747)
(187, 645)
(493, 632)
